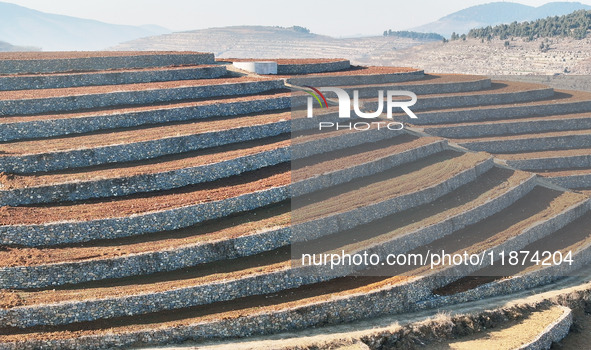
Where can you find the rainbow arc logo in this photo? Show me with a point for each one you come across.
(316, 96)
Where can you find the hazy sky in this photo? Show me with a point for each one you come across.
(330, 17)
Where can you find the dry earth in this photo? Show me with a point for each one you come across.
(468, 57)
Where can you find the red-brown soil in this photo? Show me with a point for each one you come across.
(497, 87)
(154, 106)
(355, 70)
(283, 60)
(224, 188)
(161, 164)
(139, 134)
(527, 119)
(244, 224)
(115, 70)
(253, 305)
(529, 136)
(406, 183)
(50, 55)
(103, 89)
(27, 256)
(135, 204)
(545, 154)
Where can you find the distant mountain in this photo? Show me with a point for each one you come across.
(26, 27)
(496, 13)
(6, 47)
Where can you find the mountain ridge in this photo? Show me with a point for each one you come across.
(22, 26)
(496, 13)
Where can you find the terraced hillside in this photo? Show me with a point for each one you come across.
(146, 197)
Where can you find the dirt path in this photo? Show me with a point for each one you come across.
(509, 336)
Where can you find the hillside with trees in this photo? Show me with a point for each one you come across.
(413, 35)
(575, 25)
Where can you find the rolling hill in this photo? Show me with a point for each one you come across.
(266, 41)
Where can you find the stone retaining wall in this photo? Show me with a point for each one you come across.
(57, 81)
(37, 276)
(572, 181)
(564, 162)
(387, 300)
(131, 305)
(421, 89)
(463, 101)
(360, 79)
(345, 221)
(505, 128)
(109, 228)
(129, 98)
(543, 143)
(103, 63)
(526, 281)
(59, 127)
(122, 186)
(310, 68)
(496, 113)
(553, 333)
(78, 158)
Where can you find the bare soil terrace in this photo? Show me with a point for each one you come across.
(492, 232)
(218, 271)
(497, 87)
(143, 108)
(284, 300)
(545, 154)
(104, 89)
(584, 115)
(156, 165)
(560, 96)
(244, 306)
(533, 136)
(355, 70)
(200, 233)
(510, 335)
(278, 175)
(244, 224)
(436, 168)
(572, 237)
(284, 60)
(142, 203)
(113, 70)
(52, 55)
(140, 134)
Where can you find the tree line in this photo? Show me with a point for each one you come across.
(575, 25)
(413, 35)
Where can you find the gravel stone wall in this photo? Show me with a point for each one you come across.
(421, 89)
(310, 68)
(129, 305)
(78, 158)
(130, 98)
(102, 63)
(479, 99)
(360, 79)
(516, 127)
(530, 144)
(57, 81)
(496, 113)
(60, 127)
